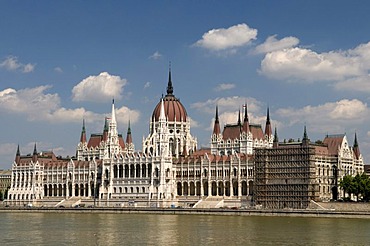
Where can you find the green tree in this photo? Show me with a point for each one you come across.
(346, 184)
(358, 185)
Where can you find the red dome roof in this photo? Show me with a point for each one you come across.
(173, 109)
(172, 106)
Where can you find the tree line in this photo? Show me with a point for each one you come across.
(358, 186)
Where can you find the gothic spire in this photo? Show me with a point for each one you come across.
(216, 127)
(34, 150)
(239, 121)
(83, 132)
(18, 151)
(106, 129)
(276, 139)
(129, 137)
(356, 148)
(246, 119)
(34, 156)
(113, 119)
(169, 86)
(268, 130)
(17, 155)
(305, 139)
(162, 115)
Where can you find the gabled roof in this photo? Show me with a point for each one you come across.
(256, 131)
(95, 140)
(232, 132)
(333, 142)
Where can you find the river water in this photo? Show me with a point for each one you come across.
(149, 229)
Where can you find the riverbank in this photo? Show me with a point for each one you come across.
(192, 211)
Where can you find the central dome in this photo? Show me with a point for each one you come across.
(173, 108)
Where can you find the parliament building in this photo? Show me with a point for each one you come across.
(244, 166)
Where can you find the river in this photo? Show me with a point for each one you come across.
(151, 229)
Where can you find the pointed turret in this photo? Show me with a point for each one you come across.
(356, 148)
(162, 115)
(276, 139)
(113, 120)
(83, 133)
(34, 156)
(106, 129)
(129, 137)
(246, 120)
(17, 155)
(169, 86)
(268, 130)
(239, 120)
(305, 139)
(216, 127)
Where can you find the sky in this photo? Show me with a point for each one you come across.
(64, 61)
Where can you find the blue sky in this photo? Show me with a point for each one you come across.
(62, 61)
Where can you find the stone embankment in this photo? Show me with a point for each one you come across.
(332, 213)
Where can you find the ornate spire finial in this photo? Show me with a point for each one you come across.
(34, 150)
(169, 86)
(276, 138)
(239, 120)
(17, 155)
(216, 126)
(356, 148)
(245, 112)
(83, 132)
(355, 143)
(34, 156)
(129, 137)
(18, 151)
(305, 137)
(268, 130)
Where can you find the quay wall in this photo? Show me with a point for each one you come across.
(194, 211)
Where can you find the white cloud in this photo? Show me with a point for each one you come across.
(62, 115)
(155, 56)
(227, 104)
(307, 65)
(193, 123)
(359, 84)
(224, 86)
(101, 88)
(147, 85)
(346, 70)
(33, 102)
(36, 105)
(232, 37)
(124, 114)
(11, 63)
(328, 117)
(58, 69)
(273, 44)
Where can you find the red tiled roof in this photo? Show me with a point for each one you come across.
(94, 140)
(321, 150)
(231, 132)
(121, 142)
(256, 131)
(333, 142)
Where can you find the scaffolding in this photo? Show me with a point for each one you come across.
(285, 177)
